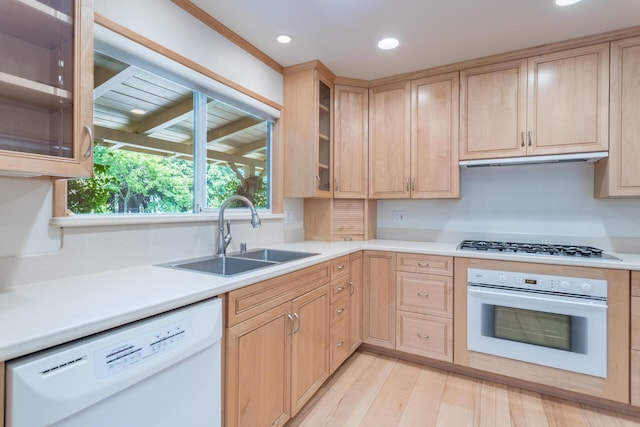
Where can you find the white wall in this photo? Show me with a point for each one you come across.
(32, 250)
(551, 202)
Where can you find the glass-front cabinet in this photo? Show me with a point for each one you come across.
(308, 131)
(46, 87)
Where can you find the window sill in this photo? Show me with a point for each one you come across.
(138, 219)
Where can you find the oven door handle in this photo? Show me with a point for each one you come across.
(519, 295)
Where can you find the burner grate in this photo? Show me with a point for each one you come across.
(533, 248)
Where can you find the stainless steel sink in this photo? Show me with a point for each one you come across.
(273, 255)
(221, 266)
(238, 263)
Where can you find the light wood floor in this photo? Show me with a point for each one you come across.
(373, 390)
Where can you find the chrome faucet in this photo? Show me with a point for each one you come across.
(224, 240)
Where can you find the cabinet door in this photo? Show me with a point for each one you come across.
(355, 302)
(493, 102)
(308, 132)
(257, 371)
(379, 299)
(351, 151)
(310, 345)
(389, 141)
(434, 137)
(46, 88)
(568, 101)
(619, 175)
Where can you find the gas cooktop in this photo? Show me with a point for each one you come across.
(534, 249)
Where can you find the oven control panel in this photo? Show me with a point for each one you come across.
(595, 288)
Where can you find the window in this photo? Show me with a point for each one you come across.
(163, 147)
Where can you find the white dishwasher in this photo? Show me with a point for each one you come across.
(161, 371)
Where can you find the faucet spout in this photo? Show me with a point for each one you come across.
(224, 240)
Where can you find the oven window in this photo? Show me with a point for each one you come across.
(532, 327)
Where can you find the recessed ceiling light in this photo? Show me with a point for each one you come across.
(284, 38)
(566, 2)
(388, 43)
(138, 111)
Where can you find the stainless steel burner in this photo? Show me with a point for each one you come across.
(534, 249)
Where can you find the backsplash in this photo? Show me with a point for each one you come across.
(552, 202)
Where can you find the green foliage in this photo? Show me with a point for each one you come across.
(130, 182)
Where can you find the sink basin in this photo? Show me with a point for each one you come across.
(221, 266)
(273, 255)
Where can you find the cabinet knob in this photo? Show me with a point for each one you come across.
(340, 310)
(340, 267)
(423, 337)
(340, 288)
(522, 138)
(352, 289)
(340, 344)
(530, 133)
(421, 295)
(423, 264)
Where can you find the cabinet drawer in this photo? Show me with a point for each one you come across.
(635, 283)
(426, 294)
(339, 309)
(339, 288)
(431, 264)
(339, 343)
(340, 267)
(635, 323)
(425, 336)
(247, 302)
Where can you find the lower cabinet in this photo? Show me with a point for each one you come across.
(379, 299)
(635, 338)
(355, 302)
(424, 319)
(277, 353)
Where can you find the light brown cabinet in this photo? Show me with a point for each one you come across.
(339, 219)
(434, 137)
(46, 88)
(308, 131)
(379, 299)
(635, 338)
(277, 353)
(390, 141)
(413, 140)
(549, 104)
(424, 318)
(351, 150)
(355, 302)
(619, 175)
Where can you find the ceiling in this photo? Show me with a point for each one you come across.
(343, 33)
(234, 136)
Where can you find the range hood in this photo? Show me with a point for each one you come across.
(532, 160)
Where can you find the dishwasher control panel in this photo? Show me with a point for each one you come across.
(116, 358)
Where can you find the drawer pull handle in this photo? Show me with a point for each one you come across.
(351, 288)
(340, 288)
(340, 310)
(340, 267)
(423, 337)
(423, 264)
(421, 295)
(340, 344)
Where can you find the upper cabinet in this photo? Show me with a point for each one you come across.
(46, 88)
(619, 175)
(308, 131)
(413, 140)
(434, 137)
(390, 141)
(351, 150)
(549, 104)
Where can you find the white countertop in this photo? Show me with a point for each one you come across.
(40, 315)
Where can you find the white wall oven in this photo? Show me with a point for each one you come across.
(555, 321)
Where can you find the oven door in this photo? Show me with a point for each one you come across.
(561, 332)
